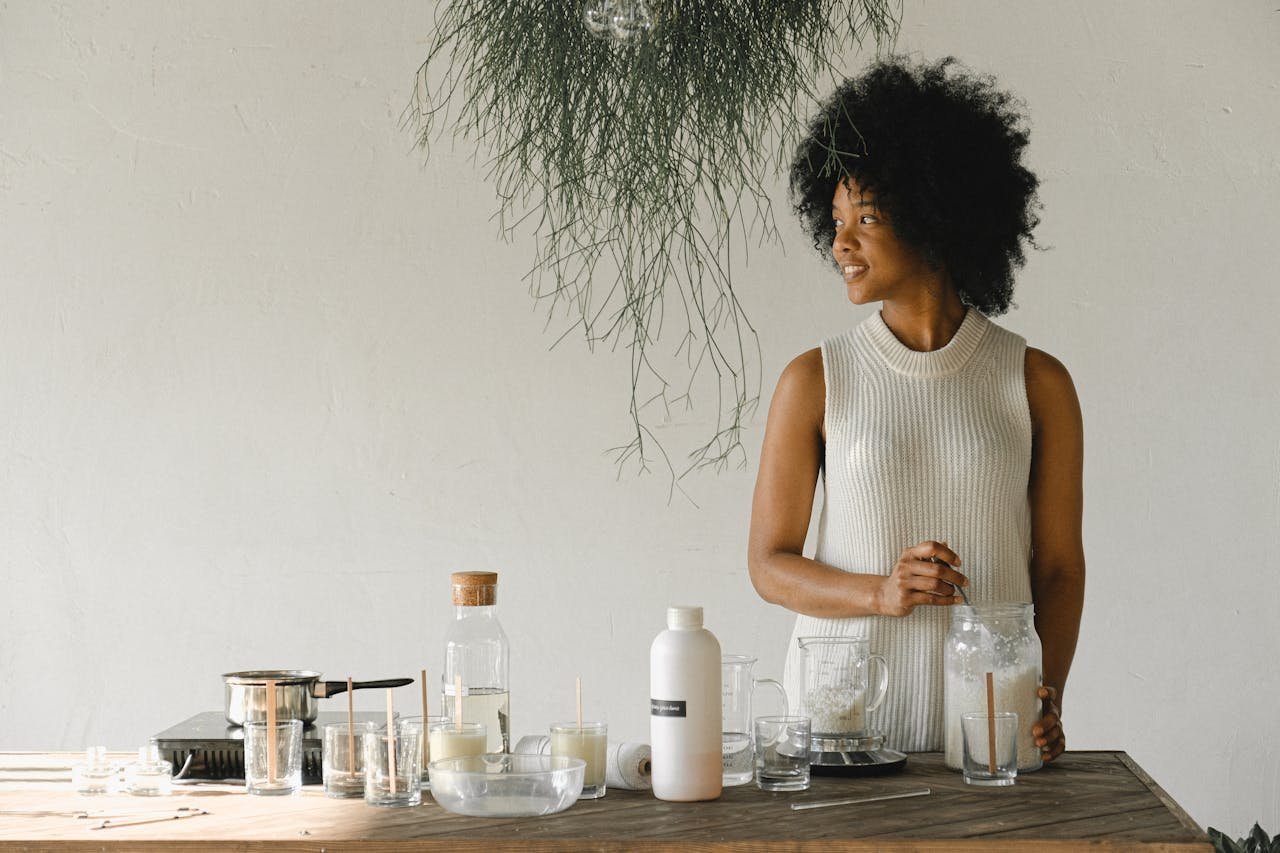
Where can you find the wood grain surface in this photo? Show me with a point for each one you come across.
(1085, 800)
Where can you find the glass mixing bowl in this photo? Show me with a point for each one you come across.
(507, 785)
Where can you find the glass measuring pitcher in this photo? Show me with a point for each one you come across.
(737, 685)
(838, 694)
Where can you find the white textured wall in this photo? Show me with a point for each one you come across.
(265, 380)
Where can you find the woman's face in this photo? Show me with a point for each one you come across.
(875, 264)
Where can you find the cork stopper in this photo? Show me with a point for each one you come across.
(474, 589)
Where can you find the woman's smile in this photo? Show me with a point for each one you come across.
(853, 271)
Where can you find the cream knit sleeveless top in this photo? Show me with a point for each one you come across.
(921, 445)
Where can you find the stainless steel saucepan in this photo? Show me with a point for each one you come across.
(296, 693)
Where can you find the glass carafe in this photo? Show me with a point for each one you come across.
(1000, 639)
(737, 684)
(476, 658)
(838, 689)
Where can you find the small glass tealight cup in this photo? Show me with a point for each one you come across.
(392, 765)
(150, 775)
(96, 775)
(264, 776)
(982, 764)
(588, 741)
(425, 726)
(342, 759)
(782, 753)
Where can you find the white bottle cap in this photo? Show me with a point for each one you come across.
(683, 616)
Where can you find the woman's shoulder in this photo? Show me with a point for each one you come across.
(804, 372)
(1051, 393)
(1044, 369)
(802, 387)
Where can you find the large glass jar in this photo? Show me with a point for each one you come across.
(1000, 639)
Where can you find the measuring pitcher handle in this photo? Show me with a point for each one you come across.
(782, 691)
(882, 684)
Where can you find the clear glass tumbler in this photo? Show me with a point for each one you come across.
(782, 753)
(425, 726)
(272, 772)
(983, 764)
(393, 765)
(343, 760)
(590, 742)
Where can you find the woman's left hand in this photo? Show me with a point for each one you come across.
(1048, 732)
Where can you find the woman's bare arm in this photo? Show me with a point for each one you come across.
(790, 461)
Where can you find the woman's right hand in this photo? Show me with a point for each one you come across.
(922, 575)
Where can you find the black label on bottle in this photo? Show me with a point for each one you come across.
(666, 708)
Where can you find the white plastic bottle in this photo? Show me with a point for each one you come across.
(684, 709)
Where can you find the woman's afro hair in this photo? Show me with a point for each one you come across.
(940, 149)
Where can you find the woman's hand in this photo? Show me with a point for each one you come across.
(922, 575)
(1048, 732)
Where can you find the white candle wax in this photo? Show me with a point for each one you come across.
(590, 746)
(447, 742)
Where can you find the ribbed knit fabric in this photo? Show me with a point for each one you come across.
(922, 445)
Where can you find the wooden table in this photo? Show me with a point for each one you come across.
(1085, 800)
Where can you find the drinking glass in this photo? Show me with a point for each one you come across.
(782, 753)
(343, 760)
(278, 772)
(982, 765)
(393, 765)
(425, 743)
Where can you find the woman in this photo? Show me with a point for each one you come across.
(950, 452)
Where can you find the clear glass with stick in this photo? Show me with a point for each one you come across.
(272, 752)
(427, 721)
(393, 762)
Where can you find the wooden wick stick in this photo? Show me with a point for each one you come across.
(578, 689)
(425, 742)
(391, 743)
(351, 729)
(457, 702)
(991, 724)
(270, 690)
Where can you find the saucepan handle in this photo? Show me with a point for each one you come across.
(325, 689)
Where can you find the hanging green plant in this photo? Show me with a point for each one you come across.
(635, 138)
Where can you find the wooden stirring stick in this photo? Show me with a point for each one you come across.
(425, 743)
(351, 729)
(578, 687)
(271, 729)
(391, 743)
(991, 724)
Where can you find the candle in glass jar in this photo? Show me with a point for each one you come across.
(588, 741)
(451, 740)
